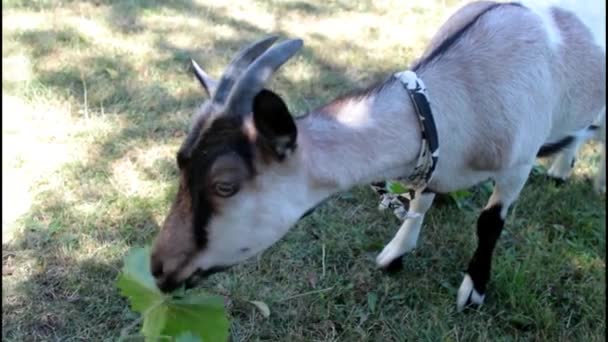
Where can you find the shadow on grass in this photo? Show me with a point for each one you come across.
(69, 264)
(46, 42)
(124, 15)
(65, 260)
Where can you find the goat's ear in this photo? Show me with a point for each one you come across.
(208, 83)
(275, 125)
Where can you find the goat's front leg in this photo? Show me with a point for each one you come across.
(407, 236)
(507, 187)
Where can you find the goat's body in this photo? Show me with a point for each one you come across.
(506, 82)
(503, 80)
(591, 13)
(509, 85)
(495, 116)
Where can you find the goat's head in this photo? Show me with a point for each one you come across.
(231, 204)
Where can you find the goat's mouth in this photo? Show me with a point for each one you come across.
(170, 284)
(198, 276)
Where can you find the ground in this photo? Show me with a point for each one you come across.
(96, 99)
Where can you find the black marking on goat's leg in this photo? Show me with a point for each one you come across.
(553, 148)
(489, 227)
(395, 266)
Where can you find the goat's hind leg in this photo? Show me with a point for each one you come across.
(563, 163)
(600, 180)
(407, 236)
(507, 187)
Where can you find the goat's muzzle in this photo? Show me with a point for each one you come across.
(168, 283)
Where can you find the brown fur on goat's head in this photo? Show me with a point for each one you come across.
(237, 146)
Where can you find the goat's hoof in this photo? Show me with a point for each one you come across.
(390, 264)
(390, 256)
(394, 266)
(561, 170)
(559, 177)
(467, 296)
(558, 181)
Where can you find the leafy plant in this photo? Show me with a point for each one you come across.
(538, 170)
(184, 317)
(395, 187)
(461, 198)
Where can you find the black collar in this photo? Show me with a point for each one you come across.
(429, 150)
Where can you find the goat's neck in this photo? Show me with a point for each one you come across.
(358, 140)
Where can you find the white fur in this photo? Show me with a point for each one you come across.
(258, 216)
(406, 238)
(466, 292)
(378, 138)
(359, 116)
(561, 168)
(591, 13)
(543, 10)
(494, 108)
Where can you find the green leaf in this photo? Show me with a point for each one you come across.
(263, 307)
(539, 169)
(487, 188)
(203, 315)
(154, 322)
(396, 187)
(137, 265)
(372, 299)
(188, 337)
(136, 282)
(459, 197)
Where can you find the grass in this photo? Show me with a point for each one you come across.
(96, 100)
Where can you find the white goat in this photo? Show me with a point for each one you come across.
(505, 82)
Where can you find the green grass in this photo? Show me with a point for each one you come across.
(96, 99)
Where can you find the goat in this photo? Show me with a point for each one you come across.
(506, 82)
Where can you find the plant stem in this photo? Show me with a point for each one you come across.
(124, 332)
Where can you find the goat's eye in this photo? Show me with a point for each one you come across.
(225, 189)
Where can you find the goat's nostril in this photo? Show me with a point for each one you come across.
(167, 285)
(156, 268)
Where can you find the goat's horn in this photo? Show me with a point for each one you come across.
(247, 87)
(204, 79)
(243, 58)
